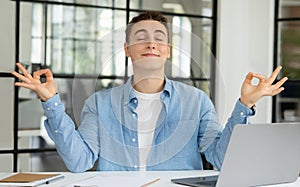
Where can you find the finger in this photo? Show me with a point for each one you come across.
(24, 71)
(49, 75)
(274, 74)
(280, 83)
(259, 76)
(16, 74)
(21, 77)
(36, 75)
(25, 85)
(249, 77)
(277, 91)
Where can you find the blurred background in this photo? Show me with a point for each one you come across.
(214, 45)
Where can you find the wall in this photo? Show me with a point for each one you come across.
(245, 43)
(7, 54)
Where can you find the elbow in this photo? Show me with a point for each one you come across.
(75, 169)
(218, 165)
(77, 166)
(218, 161)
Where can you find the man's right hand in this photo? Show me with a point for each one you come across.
(43, 90)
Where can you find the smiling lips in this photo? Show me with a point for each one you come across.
(150, 55)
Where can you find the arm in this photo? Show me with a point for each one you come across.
(216, 148)
(250, 94)
(76, 153)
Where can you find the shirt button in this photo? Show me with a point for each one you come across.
(133, 114)
(242, 113)
(135, 166)
(48, 108)
(55, 104)
(135, 101)
(56, 131)
(133, 139)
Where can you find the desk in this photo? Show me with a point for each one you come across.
(165, 177)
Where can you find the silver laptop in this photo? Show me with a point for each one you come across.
(257, 154)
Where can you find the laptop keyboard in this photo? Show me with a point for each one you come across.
(209, 181)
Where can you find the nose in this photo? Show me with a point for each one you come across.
(151, 45)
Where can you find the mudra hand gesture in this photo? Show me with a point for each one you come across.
(250, 93)
(43, 90)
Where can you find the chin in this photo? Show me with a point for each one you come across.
(150, 61)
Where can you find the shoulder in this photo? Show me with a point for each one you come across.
(190, 94)
(97, 96)
(186, 88)
(107, 94)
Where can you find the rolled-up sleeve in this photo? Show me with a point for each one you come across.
(216, 151)
(76, 153)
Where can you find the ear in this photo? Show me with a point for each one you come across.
(169, 51)
(126, 49)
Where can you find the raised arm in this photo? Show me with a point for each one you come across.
(43, 90)
(250, 93)
(70, 145)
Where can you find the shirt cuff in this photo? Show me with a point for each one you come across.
(53, 106)
(241, 111)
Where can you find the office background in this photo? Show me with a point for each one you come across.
(241, 34)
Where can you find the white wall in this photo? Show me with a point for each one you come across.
(245, 43)
(7, 54)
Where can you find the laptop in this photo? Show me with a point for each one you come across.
(257, 154)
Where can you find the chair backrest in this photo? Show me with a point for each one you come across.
(206, 164)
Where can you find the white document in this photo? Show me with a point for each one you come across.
(111, 181)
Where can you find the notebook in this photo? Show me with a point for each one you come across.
(257, 154)
(30, 179)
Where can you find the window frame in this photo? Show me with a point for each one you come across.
(16, 151)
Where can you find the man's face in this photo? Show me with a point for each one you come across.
(148, 40)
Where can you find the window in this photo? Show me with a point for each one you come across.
(286, 53)
(82, 43)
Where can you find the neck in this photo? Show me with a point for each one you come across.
(148, 75)
(148, 84)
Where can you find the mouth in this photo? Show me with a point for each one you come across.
(150, 55)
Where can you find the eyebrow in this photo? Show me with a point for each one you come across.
(160, 31)
(144, 30)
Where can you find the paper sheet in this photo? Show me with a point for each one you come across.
(111, 181)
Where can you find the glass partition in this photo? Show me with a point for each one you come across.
(81, 41)
(194, 7)
(287, 43)
(289, 9)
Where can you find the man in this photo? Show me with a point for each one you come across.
(150, 122)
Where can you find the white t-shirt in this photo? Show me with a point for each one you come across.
(148, 110)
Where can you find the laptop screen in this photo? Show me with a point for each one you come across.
(260, 154)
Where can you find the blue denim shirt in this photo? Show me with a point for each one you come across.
(186, 126)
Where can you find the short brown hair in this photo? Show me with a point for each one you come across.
(150, 15)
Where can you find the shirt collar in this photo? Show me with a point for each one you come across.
(168, 87)
(129, 94)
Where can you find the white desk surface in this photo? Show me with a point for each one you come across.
(165, 177)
